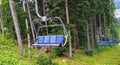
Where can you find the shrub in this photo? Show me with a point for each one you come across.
(57, 51)
(60, 50)
(42, 59)
(53, 53)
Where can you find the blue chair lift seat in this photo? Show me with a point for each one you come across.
(104, 43)
(54, 40)
(115, 42)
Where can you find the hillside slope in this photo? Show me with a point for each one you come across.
(9, 54)
(105, 56)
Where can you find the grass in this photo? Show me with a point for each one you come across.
(9, 55)
(106, 56)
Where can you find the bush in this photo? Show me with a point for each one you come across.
(57, 51)
(53, 53)
(89, 53)
(60, 50)
(42, 59)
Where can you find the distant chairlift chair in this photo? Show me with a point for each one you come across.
(106, 43)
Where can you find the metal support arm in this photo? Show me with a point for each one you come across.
(42, 18)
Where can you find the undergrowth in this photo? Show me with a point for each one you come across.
(101, 56)
(9, 54)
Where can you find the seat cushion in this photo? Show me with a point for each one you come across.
(60, 39)
(46, 39)
(54, 40)
(40, 39)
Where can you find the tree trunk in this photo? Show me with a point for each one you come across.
(32, 27)
(88, 38)
(91, 31)
(75, 41)
(27, 28)
(46, 23)
(31, 24)
(78, 42)
(15, 20)
(100, 27)
(95, 30)
(105, 27)
(44, 14)
(69, 32)
(1, 21)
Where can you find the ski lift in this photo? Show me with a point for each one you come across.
(106, 42)
(50, 40)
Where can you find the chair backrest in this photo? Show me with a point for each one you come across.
(60, 39)
(104, 43)
(54, 39)
(40, 39)
(115, 42)
(46, 39)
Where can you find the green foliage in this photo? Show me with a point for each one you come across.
(106, 56)
(9, 53)
(43, 59)
(79, 12)
(60, 51)
(53, 53)
(57, 51)
(7, 19)
(89, 53)
(56, 9)
(22, 15)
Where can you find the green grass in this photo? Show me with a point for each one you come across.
(9, 55)
(105, 56)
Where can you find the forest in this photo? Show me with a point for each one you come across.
(59, 32)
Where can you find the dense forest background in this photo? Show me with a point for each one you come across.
(90, 20)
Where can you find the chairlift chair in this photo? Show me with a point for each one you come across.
(50, 40)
